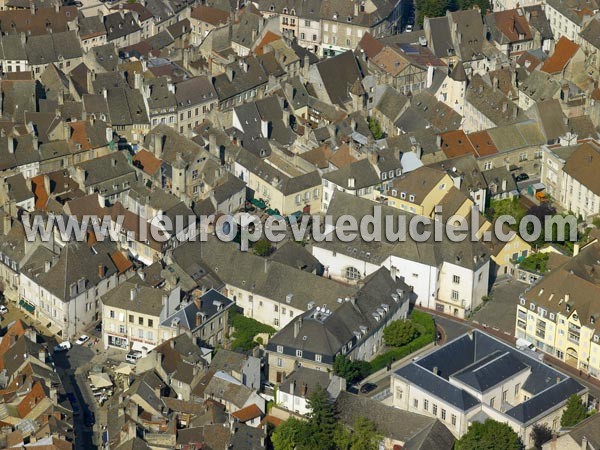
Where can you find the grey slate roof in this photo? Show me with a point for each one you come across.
(52, 48)
(338, 75)
(475, 350)
(392, 422)
(186, 315)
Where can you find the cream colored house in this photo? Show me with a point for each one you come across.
(559, 314)
(278, 190)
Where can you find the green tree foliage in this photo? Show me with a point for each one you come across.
(246, 329)
(438, 8)
(400, 332)
(351, 371)
(489, 435)
(289, 434)
(375, 128)
(540, 434)
(321, 421)
(574, 413)
(262, 247)
(364, 435)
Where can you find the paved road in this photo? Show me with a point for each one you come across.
(66, 363)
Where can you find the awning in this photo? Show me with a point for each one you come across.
(124, 369)
(27, 306)
(100, 380)
(259, 203)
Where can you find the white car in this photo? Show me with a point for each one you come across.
(82, 339)
(3, 309)
(133, 356)
(408, 29)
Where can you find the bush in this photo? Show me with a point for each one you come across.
(574, 413)
(245, 330)
(399, 333)
(352, 371)
(262, 247)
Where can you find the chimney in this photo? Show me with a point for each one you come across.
(113, 162)
(133, 293)
(266, 265)
(198, 300)
(198, 318)
(436, 371)
(504, 185)
(229, 72)
(172, 343)
(212, 144)
(393, 272)
(47, 266)
(6, 224)
(297, 326)
(304, 389)
(100, 271)
(575, 249)
(351, 182)
(11, 145)
(104, 93)
(42, 354)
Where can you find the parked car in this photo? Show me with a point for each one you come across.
(367, 387)
(98, 327)
(522, 177)
(408, 28)
(132, 357)
(62, 347)
(89, 419)
(74, 403)
(3, 309)
(82, 339)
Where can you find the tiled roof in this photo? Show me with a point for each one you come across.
(564, 50)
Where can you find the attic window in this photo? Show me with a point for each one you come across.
(272, 8)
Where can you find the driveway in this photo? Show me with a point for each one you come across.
(499, 312)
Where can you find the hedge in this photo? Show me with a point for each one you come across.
(427, 326)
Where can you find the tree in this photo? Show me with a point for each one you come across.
(365, 436)
(262, 247)
(399, 333)
(351, 371)
(491, 435)
(574, 413)
(540, 434)
(289, 434)
(321, 421)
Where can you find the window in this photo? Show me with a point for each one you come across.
(454, 295)
(307, 23)
(425, 405)
(130, 318)
(434, 409)
(150, 322)
(455, 279)
(504, 396)
(352, 273)
(318, 358)
(122, 329)
(492, 401)
(111, 314)
(416, 403)
(299, 353)
(276, 307)
(399, 393)
(443, 414)
(453, 419)
(280, 349)
(140, 320)
(279, 362)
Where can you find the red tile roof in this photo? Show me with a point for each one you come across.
(121, 261)
(370, 45)
(266, 40)
(564, 50)
(31, 400)
(456, 143)
(248, 413)
(483, 143)
(210, 15)
(147, 161)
